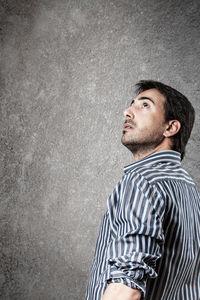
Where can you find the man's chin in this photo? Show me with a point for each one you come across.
(126, 141)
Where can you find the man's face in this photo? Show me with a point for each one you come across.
(144, 122)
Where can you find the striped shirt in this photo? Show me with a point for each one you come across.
(150, 234)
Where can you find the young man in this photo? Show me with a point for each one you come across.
(149, 241)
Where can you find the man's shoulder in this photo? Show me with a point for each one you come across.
(159, 172)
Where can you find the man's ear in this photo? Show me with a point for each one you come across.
(172, 128)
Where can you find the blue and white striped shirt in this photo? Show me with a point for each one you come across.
(150, 235)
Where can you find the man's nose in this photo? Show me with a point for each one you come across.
(128, 113)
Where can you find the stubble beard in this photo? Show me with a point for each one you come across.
(141, 145)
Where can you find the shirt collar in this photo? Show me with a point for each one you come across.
(156, 157)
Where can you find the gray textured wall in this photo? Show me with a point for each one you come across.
(68, 70)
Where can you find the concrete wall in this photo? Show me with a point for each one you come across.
(68, 70)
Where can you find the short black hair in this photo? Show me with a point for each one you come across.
(177, 107)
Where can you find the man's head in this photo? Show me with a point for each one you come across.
(159, 115)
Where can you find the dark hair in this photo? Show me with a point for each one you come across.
(177, 107)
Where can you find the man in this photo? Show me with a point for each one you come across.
(149, 242)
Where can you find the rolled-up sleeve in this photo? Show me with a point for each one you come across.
(137, 233)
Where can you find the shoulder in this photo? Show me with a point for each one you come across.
(139, 187)
(160, 172)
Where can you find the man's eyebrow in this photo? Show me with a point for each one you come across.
(143, 98)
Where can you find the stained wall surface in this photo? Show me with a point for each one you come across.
(68, 70)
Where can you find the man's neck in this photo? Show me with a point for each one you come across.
(141, 154)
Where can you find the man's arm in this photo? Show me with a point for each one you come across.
(137, 239)
(119, 291)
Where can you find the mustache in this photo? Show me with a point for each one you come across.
(131, 122)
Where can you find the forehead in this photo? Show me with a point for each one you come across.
(154, 95)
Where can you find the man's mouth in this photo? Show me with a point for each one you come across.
(128, 126)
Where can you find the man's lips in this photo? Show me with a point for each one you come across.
(128, 126)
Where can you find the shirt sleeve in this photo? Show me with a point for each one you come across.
(136, 224)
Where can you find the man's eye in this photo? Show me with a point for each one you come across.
(145, 104)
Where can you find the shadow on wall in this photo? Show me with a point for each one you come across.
(40, 272)
(34, 257)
